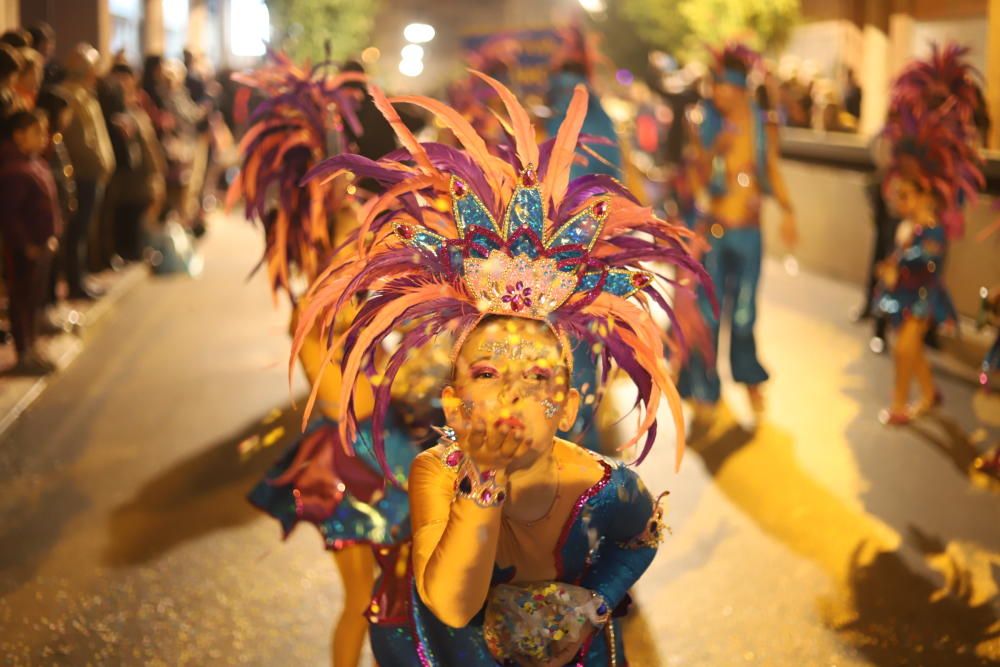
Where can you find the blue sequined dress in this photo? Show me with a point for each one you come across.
(344, 494)
(920, 290)
(593, 552)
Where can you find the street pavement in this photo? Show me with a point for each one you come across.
(815, 536)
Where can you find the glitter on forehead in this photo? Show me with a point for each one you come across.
(517, 349)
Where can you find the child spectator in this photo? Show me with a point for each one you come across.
(29, 226)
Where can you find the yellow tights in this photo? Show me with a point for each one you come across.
(356, 565)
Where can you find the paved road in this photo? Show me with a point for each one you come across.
(818, 538)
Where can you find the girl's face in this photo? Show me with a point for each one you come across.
(512, 370)
(908, 200)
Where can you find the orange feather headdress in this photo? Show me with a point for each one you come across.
(460, 235)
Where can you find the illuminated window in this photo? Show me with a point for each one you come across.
(249, 27)
(175, 26)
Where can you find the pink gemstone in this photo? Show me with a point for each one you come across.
(454, 458)
(529, 178)
(483, 476)
(640, 280)
(459, 188)
(487, 496)
(405, 231)
(601, 208)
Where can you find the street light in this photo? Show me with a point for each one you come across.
(411, 67)
(419, 33)
(593, 6)
(413, 52)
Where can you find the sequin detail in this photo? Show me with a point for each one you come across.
(582, 229)
(656, 527)
(578, 506)
(469, 210)
(492, 279)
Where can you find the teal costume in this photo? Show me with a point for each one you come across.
(733, 262)
(615, 509)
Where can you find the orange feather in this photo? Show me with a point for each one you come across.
(522, 129)
(495, 169)
(564, 148)
(406, 137)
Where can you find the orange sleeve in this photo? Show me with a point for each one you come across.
(454, 542)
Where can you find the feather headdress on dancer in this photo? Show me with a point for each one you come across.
(578, 48)
(927, 150)
(945, 80)
(734, 62)
(932, 104)
(295, 126)
(458, 236)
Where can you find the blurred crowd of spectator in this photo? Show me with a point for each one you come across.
(97, 162)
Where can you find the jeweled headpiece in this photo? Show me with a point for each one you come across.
(930, 129)
(460, 235)
(295, 126)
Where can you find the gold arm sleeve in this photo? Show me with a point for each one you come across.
(454, 543)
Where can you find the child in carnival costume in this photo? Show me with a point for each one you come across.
(524, 544)
(342, 491)
(933, 174)
(735, 165)
(934, 170)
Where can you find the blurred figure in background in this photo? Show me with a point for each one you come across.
(44, 41)
(736, 166)
(59, 114)
(11, 65)
(29, 227)
(29, 79)
(141, 185)
(19, 38)
(90, 149)
(852, 95)
(177, 119)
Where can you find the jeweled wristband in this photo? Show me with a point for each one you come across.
(481, 488)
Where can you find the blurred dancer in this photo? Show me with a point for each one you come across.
(358, 503)
(931, 166)
(735, 156)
